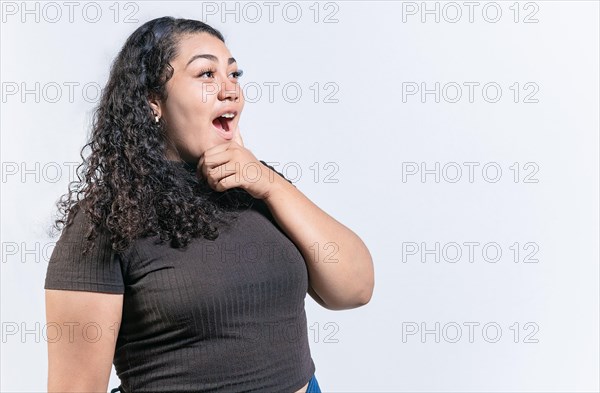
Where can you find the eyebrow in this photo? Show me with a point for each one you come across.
(209, 57)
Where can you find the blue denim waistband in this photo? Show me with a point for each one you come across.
(313, 386)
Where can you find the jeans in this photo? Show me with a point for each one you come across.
(313, 386)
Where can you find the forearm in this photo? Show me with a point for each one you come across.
(339, 264)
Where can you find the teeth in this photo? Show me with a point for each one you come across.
(228, 115)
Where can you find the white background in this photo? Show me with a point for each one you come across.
(547, 311)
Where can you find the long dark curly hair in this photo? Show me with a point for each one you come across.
(129, 186)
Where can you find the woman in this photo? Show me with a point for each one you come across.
(220, 306)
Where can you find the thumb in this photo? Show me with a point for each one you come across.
(237, 137)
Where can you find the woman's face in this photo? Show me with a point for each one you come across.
(203, 87)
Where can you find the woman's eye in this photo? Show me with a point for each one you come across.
(204, 72)
(210, 73)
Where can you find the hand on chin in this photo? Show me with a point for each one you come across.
(230, 165)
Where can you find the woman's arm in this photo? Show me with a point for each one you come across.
(80, 360)
(339, 264)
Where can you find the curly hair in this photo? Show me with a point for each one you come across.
(129, 186)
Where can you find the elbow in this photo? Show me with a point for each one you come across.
(362, 298)
(366, 296)
(366, 292)
(347, 298)
(359, 298)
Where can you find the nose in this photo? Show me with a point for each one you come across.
(228, 90)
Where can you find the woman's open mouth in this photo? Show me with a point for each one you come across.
(222, 124)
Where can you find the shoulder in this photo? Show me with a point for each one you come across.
(82, 235)
(79, 224)
(79, 262)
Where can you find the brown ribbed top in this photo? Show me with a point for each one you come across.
(220, 316)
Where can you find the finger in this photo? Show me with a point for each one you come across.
(227, 182)
(215, 149)
(219, 164)
(210, 152)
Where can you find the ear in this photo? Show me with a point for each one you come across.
(155, 105)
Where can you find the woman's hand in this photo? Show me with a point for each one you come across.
(231, 165)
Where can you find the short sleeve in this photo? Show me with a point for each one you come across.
(99, 270)
(279, 173)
